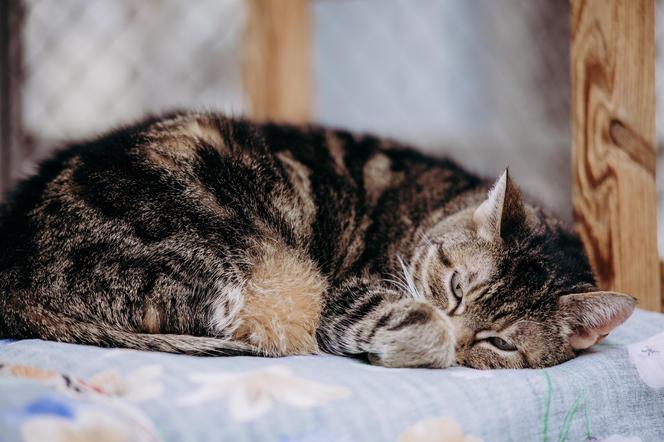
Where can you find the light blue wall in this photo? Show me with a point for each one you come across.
(453, 76)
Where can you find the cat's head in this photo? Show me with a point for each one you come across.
(515, 283)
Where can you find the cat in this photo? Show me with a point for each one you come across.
(202, 234)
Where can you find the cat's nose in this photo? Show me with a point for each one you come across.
(462, 345)
(464, 335)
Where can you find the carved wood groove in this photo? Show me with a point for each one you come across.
(613, 143)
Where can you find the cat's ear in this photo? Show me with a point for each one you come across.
(592, 316)
(501, 212)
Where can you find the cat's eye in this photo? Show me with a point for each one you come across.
(455, 286)
(501, 344)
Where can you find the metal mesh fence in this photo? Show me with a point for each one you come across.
(94, 63)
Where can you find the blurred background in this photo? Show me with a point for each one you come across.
(486, 81)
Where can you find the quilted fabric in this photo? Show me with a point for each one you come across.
(64, 392)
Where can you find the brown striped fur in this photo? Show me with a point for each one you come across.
(282, 304)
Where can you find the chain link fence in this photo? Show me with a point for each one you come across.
(89, 65)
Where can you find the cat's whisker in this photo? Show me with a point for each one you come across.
(410, 282)
(425, 237)
(398, 283)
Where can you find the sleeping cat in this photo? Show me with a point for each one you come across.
(196, 233)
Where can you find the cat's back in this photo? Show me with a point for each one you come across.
(205, 179)
(185, 178)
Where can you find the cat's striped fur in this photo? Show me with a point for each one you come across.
(202, 234)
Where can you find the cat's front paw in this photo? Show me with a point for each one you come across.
(413, 334)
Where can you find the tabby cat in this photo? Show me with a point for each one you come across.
(201, 234)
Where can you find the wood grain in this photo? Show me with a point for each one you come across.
(661, 281)
(277, 65)
(613, 143)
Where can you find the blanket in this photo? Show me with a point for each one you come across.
(63, 392)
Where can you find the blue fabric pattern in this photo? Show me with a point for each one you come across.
(614, 392)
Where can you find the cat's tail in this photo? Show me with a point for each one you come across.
(64, 329)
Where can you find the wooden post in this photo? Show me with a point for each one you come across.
(11, 20)
(613, 143)
(277, 66)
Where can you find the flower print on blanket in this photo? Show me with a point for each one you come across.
(98, 409)
(648, 357)
(252, 394)
(61, 419)
(436, 429)
(60, 381)
(138, 385)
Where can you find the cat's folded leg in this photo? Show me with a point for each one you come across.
(365, 317)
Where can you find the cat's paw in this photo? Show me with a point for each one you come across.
(415, 334)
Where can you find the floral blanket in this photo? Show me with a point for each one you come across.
(62, 392)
